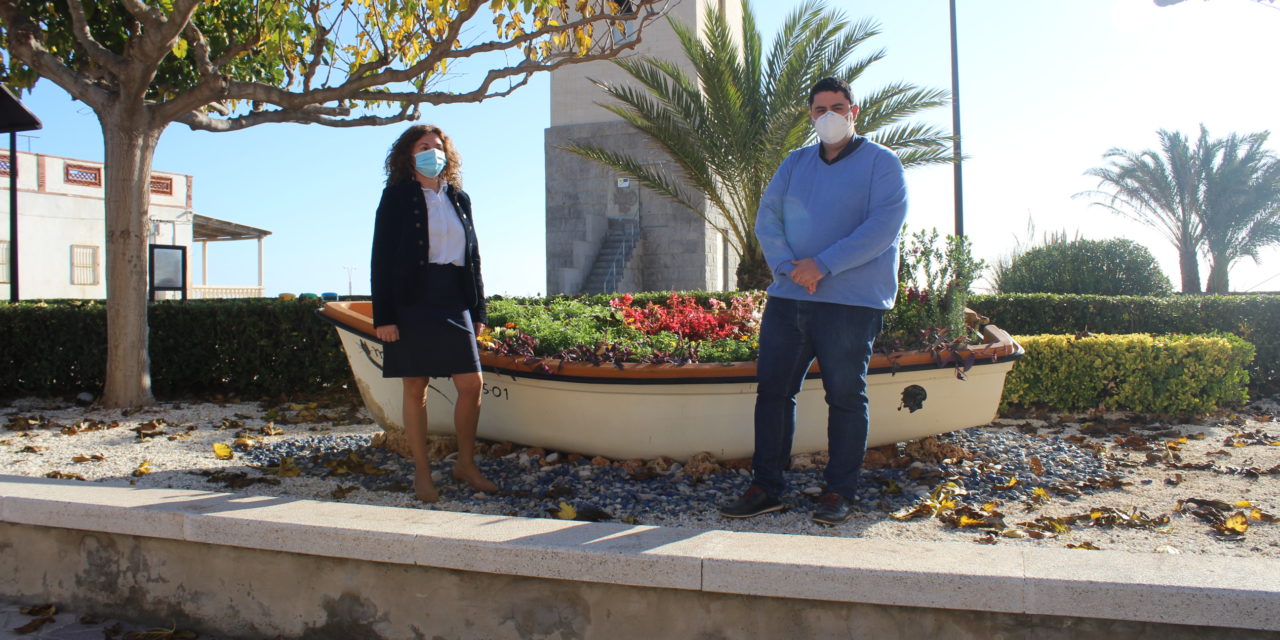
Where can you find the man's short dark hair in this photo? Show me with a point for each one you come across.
(831, 84)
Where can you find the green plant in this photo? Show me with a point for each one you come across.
(1100, 267)
(1241, 212)
(253, 348)
(934, 281)
(1162, 189)
(1255, 318)
(729, 127)
(231, 64)
(1171, 375)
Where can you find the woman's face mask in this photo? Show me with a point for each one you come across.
(430, 162)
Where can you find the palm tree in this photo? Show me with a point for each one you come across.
(728, 128)
(1241, 210)
(1163, 190)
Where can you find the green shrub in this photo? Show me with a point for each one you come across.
(1172, 375)
(1255, 318)
(935, 277)
(251, 347)
(1115, 267)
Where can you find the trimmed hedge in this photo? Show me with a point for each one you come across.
(249, 347)
(1171, 375)
(1255, 318)
(264, 347)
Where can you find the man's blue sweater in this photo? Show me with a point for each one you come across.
(846, 216)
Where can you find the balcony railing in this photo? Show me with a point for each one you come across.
(199, 291)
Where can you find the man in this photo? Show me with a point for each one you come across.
(828, 225)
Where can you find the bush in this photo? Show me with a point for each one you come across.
(1115, 267)
(1255, 318)
(934, 283)
(1171, 375)
(250, 347)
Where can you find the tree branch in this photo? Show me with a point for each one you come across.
(101, 55)
(150, 17)
(202, 122)
(25, 45)
(157, 41)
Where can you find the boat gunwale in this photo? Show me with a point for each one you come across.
(1001, 349)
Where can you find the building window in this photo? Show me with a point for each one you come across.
(4, 262)
(4, 165)
(82, 175)
(84, 264)
(162, 185)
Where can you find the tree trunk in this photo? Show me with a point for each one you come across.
(753, 272)
(130, 143)
(1217, 283)
(1189, 265)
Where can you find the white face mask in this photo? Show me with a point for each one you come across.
(832, 127)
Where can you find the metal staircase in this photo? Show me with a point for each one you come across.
(615, 252)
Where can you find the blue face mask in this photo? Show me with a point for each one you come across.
(430, 162)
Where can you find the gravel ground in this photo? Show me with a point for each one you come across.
(1109, 481)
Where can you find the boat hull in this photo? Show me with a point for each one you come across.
(617, 415)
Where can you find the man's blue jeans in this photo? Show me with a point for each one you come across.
(792, 334)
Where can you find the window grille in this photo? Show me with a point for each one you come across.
(84, 264)
(162, 185)
(82, 175)
(4, 262)
(4, 165)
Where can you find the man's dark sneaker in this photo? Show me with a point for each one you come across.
(833, 508)
(754, 502)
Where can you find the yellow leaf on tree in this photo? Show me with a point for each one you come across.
(222, 451)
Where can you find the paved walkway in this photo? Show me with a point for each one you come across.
(72, 625)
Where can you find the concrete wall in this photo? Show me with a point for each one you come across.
(581, 195)
(248, 593)
(678, 250)
(261, 566)
(55, 213)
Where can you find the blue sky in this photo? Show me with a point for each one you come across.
(1046, 89)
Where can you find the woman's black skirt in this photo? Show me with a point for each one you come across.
(437, 338)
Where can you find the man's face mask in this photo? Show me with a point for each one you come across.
(832, 127)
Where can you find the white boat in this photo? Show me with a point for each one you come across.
(651, 410)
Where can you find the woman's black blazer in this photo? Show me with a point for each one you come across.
(399, 264)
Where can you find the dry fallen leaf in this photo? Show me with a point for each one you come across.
(1085, 546)
(39, 610)
(33, 625)
(59, 475)
(143, 469)
(222, 451)
(342, 492)
(1236, 524)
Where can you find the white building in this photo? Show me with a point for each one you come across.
(62, 230)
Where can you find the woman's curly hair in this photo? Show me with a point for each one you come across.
(400, 164)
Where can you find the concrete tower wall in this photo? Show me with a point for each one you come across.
(605, 232)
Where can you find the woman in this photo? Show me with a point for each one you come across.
(428, 296)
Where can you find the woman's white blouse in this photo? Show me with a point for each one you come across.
(446, 240)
